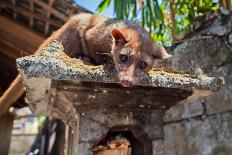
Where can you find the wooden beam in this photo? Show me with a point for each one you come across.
(14, 14)
(31, 10)
(53, 11)
(28, 13)
(226, 4)
(19, 36)
(7, 73)
(173, 20)
(76, 8)
(6, 62)
(5, 80)
(71, 12)
(7, 76)
(22, 38)
(10, 50)
(7, 53)
(50, 3)
(11, 95)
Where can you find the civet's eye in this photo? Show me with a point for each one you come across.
(156, 57)
(123, 58)
(143, 65)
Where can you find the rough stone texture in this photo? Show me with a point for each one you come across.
(206, 54)
(57, 66)
(183, 111)
(94, 127)
(222, 100)
(42, 87)
(230, 39)
(212, 56)
(54, 65)
(210, 136)
(209, 131)
(222, 26)
(87, 97)
(112, 119)
(85, 149)
(91, 130)
(98, 124)
(152, 123)
(158, 147)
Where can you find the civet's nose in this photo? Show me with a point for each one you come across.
(126, 83)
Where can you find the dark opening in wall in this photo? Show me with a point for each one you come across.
(139, 141)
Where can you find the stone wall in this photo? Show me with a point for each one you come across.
(204, 126)
(94, 127)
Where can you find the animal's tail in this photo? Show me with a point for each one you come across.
(11, 95)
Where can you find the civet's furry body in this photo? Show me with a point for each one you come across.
(87, 34)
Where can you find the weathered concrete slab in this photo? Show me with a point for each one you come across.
(209, 136)
(60, 86)
(54, 64)
(203, 126)
(158, 147)
(183, 111)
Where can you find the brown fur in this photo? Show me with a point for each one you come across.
(87, 34)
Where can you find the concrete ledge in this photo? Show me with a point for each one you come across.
(53, 79)
(54, 64)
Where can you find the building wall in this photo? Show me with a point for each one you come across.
(203, 126)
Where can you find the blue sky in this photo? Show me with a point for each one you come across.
(92, 6)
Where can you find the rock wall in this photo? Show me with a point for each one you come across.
(94, 127)
(203, 127)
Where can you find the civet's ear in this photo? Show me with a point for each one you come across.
(118, 37)
(160, 52)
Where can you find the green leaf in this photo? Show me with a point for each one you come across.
(103, 5)
(154, 15)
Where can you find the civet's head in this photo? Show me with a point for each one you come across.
(134, 53)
